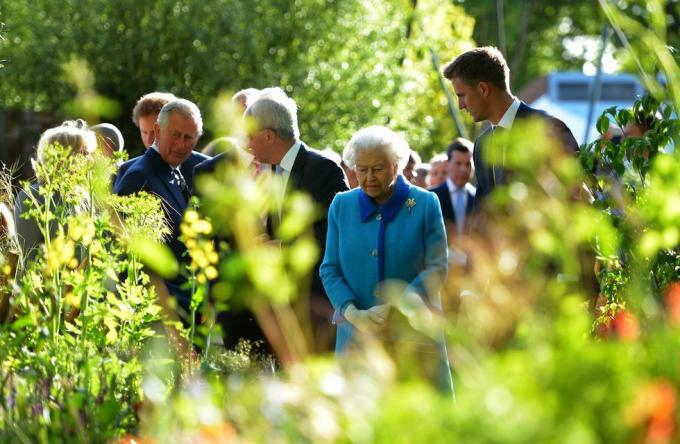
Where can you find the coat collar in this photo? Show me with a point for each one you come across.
(389, 209)
(298, 166)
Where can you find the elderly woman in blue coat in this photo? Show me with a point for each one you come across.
(385, 230)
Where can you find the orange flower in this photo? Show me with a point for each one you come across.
(673, 302)
(654, 406)
(131, 439)
(626, 325)
(222, 433)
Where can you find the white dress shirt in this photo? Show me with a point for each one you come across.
(509, 117)
(283, 170)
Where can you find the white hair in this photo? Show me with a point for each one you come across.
(245, 96)
(439, 158)
(377, 138)
(71, 135)
(185, 107)
(274, 110)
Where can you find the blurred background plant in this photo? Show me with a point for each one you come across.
(568, 330)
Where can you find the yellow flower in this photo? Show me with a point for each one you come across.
(211, 273)
(72, 299)
(190, 216)
(202, 227)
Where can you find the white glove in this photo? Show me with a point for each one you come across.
(368, 321)
(379, 313)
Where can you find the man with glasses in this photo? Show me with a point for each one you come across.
(275, 140)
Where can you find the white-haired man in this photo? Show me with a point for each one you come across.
(158, 171)
(275, 140)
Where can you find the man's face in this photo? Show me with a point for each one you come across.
(438, 173)
(259, 144)
(460, 168)
(146, 129)
(176, 141)
(470, 98)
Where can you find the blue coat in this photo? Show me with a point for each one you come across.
(414, 249)
(152, 174)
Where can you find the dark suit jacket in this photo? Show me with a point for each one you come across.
(442, 192)
(208, 165)
(150, 173)
(322, 179)
(483, 171)
(187, 168)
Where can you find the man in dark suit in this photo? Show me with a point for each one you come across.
(144, 116)
(480, 78)
(457, 195)
(275, 140)
(158, 171)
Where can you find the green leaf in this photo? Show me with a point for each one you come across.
(156, 256)
(602, 124)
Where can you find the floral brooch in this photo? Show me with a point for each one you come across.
(410, 203)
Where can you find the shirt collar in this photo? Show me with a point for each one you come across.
(288, 159)
(390, 208)
(509, 117)
(155, 148)
(452, 186)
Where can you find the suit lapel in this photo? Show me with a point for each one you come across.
(162, 171)
(447, 208)
(297, 172)
(470, 202)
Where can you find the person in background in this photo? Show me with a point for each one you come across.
(387, 230)
(109, 138)
(413, 161)
(351, 175)
(81, 141)
(245, 97)
(144, 116)
(456, 194)
(438, 170)
(422, 176)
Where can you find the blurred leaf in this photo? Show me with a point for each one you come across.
(156, 256)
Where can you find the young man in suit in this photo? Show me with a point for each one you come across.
(275, 140)
(481, 79)
(456, 194)
(159, 171)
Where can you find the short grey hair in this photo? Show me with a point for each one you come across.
(185, 107)
(377, 138)
(273, 109)
(245, 96)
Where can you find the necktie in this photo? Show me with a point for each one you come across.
(179, 179)
(459, 208)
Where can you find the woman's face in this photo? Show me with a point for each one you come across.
(376, 175)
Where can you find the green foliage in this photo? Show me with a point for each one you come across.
(81, 308)
(347, 63)
(545, 347)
